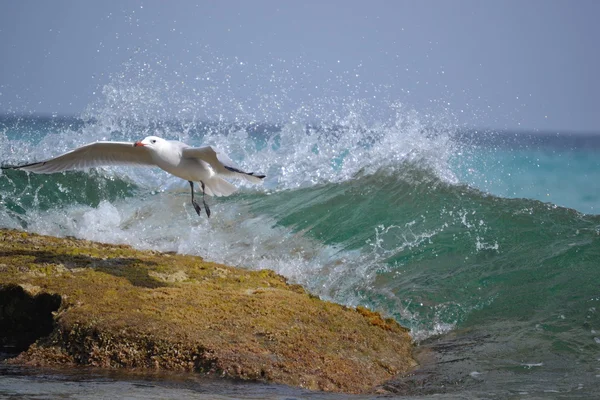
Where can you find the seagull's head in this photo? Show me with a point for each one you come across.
(152, 142)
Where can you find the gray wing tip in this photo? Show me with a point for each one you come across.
(239, 171)
(22, 166)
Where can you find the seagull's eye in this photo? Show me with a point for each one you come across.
(153, 141)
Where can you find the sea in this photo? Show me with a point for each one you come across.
(485, 243)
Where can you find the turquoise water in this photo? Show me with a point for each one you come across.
(487, 249)
(566, 176)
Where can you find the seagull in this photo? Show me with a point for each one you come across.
(194, 164)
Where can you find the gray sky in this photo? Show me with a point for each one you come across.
(499, 64)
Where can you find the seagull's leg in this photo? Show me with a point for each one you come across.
(204, 201)
(196, 206)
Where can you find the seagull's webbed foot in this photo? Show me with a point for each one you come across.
(194, 203)
(204, 201)
(197, 207)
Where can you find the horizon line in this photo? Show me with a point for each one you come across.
(464, 128)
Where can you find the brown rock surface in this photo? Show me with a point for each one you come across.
(113, 306)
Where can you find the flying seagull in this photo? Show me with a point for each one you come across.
(194, 164)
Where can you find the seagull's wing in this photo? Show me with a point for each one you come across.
(220, 163)
(92, 155)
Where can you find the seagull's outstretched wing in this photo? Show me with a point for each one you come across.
(91, 155)
(220, 163)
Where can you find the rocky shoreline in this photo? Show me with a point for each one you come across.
(65, 301)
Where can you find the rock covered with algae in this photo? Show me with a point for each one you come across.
(65, 301)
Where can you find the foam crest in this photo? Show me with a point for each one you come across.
(302, 155)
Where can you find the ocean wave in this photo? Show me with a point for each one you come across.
(426, 251)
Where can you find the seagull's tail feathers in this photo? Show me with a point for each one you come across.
(216, 186)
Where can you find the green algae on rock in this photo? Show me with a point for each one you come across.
(113, 306)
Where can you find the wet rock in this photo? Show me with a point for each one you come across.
(115, 307)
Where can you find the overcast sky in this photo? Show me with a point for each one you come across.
(498, 64)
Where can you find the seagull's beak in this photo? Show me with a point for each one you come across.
(138, 144)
